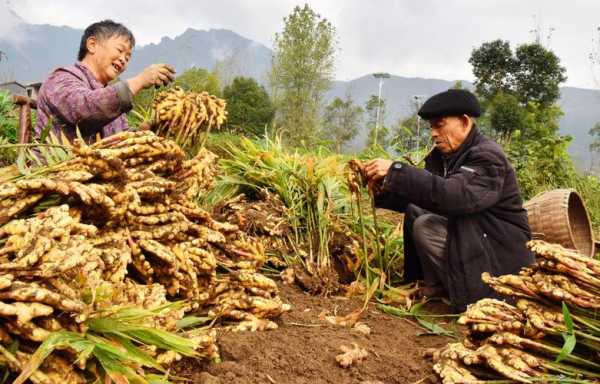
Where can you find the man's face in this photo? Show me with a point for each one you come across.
(111, 56)
(449, 132)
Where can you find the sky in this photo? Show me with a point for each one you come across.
(422, 38)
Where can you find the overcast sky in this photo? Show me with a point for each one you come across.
(415, 38)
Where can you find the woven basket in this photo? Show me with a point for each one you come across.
(559, 216)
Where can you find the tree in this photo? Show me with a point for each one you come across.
(341, 121)
(458, 85)
(199, 79)
(506, 115)
(538, 75)
(411, 132)
(249, 106)
(9, 121)
(594, 146)
(595, 133)
(532, 74)
(493, 67)
(302, 71)
(514, 85)
(381, 131)
(404, 137)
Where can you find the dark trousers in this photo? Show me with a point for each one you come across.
(429, 233)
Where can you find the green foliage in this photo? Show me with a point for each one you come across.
(378, 134)
(417, 312)
(506, 115)
(9, 121)
(321, 211)
(250, 110)
(538, 74)
(302, 71)
(341, 121)
(537, 152)
(569, 337)
(519, 92)
(532, 73)
(310, 186)
(197, 80)
(373, 152)
(541, 161)
(493, 67)
(595, 134)
(458, 85)
(409, 134)
(114, 340)
(142, 107)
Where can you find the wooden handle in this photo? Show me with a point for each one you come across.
(24, 100)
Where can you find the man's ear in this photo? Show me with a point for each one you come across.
(91, 44)
(466, 120)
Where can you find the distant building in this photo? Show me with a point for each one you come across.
(33, 89)
(17, 89)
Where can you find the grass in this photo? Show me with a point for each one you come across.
(310, 186)
(321, 211)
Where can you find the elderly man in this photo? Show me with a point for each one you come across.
(464, 213)
(82, 96)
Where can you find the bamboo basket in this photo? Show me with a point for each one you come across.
(560, 216)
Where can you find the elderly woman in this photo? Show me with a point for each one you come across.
(82, 96)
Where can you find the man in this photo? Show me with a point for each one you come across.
(464, 213)
(80, 97)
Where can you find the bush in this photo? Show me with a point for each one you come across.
(9, 120)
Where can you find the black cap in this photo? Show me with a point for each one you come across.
(453, 102)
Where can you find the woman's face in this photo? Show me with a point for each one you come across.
(110, 56)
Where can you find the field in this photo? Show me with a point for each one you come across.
(303, 348)
(176, 255)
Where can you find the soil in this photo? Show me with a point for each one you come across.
(303, 348)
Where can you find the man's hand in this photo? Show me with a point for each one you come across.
(155, 74)
(377, 169)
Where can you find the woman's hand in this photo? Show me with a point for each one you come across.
(155, 74)
(377, 169)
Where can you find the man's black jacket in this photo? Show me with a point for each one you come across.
(487, 225)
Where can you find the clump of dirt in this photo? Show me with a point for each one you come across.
(303, 349)
(326, 283)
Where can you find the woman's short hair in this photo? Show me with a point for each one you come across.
(102, 30)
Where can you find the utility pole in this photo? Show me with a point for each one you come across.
(380, 76)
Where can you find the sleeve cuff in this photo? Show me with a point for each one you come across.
(394, 168)
(125, 96)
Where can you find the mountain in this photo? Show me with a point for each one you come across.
(234, 54)
(581, 112)
(32, 51)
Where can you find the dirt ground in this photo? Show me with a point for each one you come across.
(304, 347)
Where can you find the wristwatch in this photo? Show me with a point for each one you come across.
(397, 165)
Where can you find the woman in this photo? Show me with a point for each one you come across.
(80, 97)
